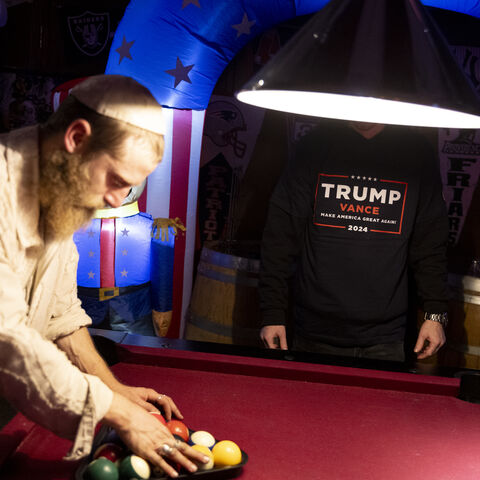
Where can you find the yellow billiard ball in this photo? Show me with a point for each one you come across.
(206, 451)
(226, 453)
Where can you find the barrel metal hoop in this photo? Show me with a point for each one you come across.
(236, 277)
(230, 261)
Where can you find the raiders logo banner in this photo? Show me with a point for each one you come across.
(90, 32)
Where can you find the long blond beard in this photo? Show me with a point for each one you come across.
(64, 181)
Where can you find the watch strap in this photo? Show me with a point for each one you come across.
(441, 318)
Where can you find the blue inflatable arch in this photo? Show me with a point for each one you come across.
(178, 49)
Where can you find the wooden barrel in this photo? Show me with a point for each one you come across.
(462, 348)
(224, 305)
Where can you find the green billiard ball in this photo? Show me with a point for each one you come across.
(101, 469)
(134, 466)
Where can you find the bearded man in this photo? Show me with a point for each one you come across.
(104, 139)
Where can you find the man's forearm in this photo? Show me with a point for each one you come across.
(82, 353)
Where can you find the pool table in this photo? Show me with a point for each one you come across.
(294, 419)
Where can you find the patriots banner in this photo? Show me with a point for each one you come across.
(229, 137)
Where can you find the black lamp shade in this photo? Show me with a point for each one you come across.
(374, 60)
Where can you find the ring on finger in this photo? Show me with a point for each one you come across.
(166, 449)
(159, 398)
(177, 444)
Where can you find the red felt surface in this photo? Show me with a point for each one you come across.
(37, 453)
(370, 425)
(293, 430)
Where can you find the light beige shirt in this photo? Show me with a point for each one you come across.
(38, 304)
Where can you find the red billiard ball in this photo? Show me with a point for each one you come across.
(159, 417)
(110, 451)
(178, 428)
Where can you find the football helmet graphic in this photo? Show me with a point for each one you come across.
(222, 123)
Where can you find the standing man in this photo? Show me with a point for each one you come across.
(359, 204)
(105, 138)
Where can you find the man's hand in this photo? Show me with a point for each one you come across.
(146, 436)
(147, 398)
(430, 339)
(82, 352)
(274, 336)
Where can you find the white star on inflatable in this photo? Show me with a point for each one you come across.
(124, 273)
(185, 3)
(91, 274)
(245, 26)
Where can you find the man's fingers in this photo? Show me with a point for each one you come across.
(177, 453)
(420, 344)
(184, 461)
(283, 343)
(149, 407)
(160, 465)
(175, 409)
(168, 406)
(267, 341)
(430, 348)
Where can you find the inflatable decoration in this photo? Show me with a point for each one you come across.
(125, 268)
(178, 49)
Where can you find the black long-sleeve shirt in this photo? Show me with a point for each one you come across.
(346, 220)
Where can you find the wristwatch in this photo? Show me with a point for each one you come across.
(441, 318)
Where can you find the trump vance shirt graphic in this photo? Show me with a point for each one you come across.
(360, 203)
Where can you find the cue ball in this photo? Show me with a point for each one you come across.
(201, 437)
(206, 451)
(134, 467)
(101, 469)
(226, 453)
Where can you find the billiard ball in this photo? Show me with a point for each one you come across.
(178, 428)
(206, 451)
(134, 467)
(111, 451)
(226, 453)
(101, 469)
(112, 437)
(159, 417)
(201, 437)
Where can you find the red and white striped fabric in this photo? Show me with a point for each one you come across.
(60, 93)
(171, 192)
